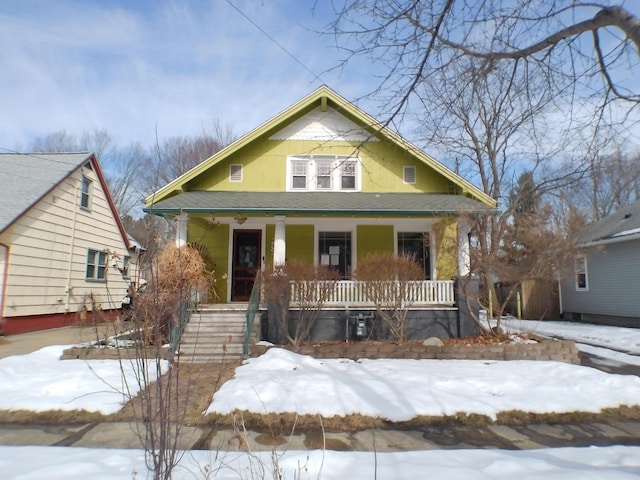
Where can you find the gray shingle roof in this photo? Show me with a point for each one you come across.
(25, 178)
(317, 203)
(621, 225)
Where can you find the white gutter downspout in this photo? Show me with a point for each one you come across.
(71, 245)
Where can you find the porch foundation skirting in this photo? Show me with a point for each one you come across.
(357, 319)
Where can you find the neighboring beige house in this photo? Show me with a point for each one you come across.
(63, 249)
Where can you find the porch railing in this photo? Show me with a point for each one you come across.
(353, 293)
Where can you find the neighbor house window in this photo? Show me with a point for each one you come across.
(416, 245)
(322, 173)
(96, 265)
(582, 278)
(85, 193)
(235, 173)
(335, 252)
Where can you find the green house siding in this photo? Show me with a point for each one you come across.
(300, 241)
(216, 241)
(374, 238)
(446, 234)
(265, 167)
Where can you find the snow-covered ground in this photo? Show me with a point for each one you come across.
(395, 389)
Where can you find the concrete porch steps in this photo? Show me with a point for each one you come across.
(215, 334)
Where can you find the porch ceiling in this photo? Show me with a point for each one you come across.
(318, 203)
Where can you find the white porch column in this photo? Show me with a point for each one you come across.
(279, 242)
(181, 229)
(464, 255)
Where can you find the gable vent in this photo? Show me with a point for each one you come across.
(235, 173)
(409, 174)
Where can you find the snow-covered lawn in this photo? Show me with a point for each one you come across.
(41, 381)
(281, 381)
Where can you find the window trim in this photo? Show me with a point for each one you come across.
(581, 268)
(98, 269)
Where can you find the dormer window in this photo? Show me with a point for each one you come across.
(330, 173)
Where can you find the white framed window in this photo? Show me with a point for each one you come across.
(235, 173)
(96, 265)
(582, 275)
(85, 193)
(323, 173)
(409, 175)
(299, 175)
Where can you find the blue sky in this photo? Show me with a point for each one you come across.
(134, 67)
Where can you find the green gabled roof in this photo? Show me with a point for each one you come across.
(317, 203)
(323, 96)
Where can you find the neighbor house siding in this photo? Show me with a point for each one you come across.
(374, 238)
(613, 282)
(48, 253)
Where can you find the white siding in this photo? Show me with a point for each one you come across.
(48, 251)
(613, 282)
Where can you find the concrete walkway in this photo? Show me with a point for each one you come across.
(129, 435)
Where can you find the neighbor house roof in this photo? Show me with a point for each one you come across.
(323, 96)
(620, 226)
(303, 203)
(26, 178)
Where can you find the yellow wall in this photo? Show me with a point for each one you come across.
(300, 242)
(216, 240)
(446, 238)
(374, 238)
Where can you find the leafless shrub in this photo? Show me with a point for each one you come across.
(389, 280)
(304, 286)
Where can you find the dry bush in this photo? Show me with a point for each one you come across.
(304, 286)
(388, 283)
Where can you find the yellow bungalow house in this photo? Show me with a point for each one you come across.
(325, 183)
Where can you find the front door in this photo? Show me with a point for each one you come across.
(247, 255)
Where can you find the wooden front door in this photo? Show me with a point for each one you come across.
(247, 255)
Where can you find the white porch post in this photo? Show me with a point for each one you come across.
(181, 229)
(464, 255)
(279, 242)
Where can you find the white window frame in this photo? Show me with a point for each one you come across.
(85, 193)
(409, 175)
(581, 268)
(316, 168)
(236, 172)
(96, 268)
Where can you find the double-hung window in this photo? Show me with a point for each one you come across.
(348, 175)
(96, 265)
(299, 175)
(324, 170)
(582, 278)
(85, 193)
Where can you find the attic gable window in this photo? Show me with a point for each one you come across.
(85, 193)
(409, 175)
(327, 173)
(235, 173)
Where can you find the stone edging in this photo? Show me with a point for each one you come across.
(554, 350)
